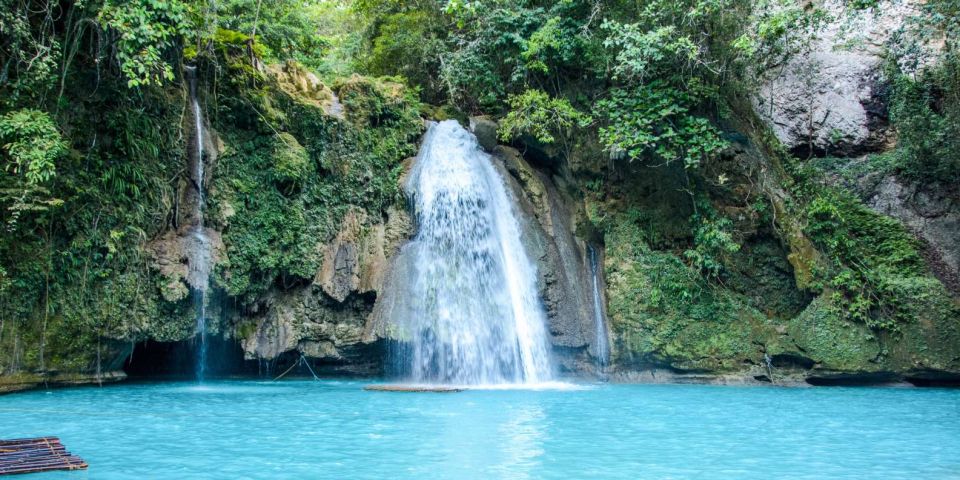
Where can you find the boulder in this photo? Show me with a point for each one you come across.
(829, 99)
(486, 131)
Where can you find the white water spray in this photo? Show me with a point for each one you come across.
(466, 308)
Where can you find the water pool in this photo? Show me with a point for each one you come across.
(334, 429)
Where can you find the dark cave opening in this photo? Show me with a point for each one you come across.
(178, 360)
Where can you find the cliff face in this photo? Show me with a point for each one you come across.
(309, 223)
(776, 309)
(792, 258)
(842, 271)
(303, 209)
(830, 98)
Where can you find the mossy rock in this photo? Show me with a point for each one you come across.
(372, 102)
(821, 334)
(931, 341)
(663, 312)
(445, 112)
(291, 162)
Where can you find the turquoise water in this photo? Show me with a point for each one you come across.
(334, 429)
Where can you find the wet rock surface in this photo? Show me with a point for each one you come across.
(486, 131)
(547, 226)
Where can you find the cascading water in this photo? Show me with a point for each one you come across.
(602, 347)
(469, 312)
(198, 249)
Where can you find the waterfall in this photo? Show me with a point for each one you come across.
(602, 347)
(198, 246)
(467, 309)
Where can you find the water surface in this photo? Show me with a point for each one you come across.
(334, 429)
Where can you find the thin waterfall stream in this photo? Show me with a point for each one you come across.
(466, 309)
(199, 248)
(602, 346)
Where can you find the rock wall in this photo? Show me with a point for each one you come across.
(828, 99)
(328, 321)
(547, 226)
(769, 316)
(930, 210)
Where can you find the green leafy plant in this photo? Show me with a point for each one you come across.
(145, 30)
(925, 109)
(32, 144)
(713, 244)
(655, 120)
(535, 113)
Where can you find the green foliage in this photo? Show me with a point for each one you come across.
(145, 29)
(292, 176)
(924, 93)
(28, 53)
(643, 54)
(657, 68)
(32, 144)
(664, 311)
(925, 109)
(713, 242)
(535, 113)
(485, 60)
(291, 164)
(875, 263)
(554, 43)
(407, 44)
(284, 29)
(777, 30)
(77, 267)
(655, 121)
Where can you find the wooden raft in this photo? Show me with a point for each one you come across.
(32, 455)
(413, 388)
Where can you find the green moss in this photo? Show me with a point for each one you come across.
(873, 263)
(80, 273)
(374, 102)
(291, 163)
(822, 334)
(288, 190)
(662, 311)
(932, 339)
(445, 112)
(230, 39)
(761, 273)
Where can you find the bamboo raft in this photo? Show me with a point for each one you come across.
(33, 455)
(413, 388)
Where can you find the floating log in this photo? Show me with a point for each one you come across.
(33, 455)
(414, 388)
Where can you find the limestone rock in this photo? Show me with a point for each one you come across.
(171, 255)
(310, 323)
(297, 81)
(546, 225)
(275, 333)
(486, 131)
(340, 273)
(328, 319)
(828, 100)
(932, 211)
(356, 260)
